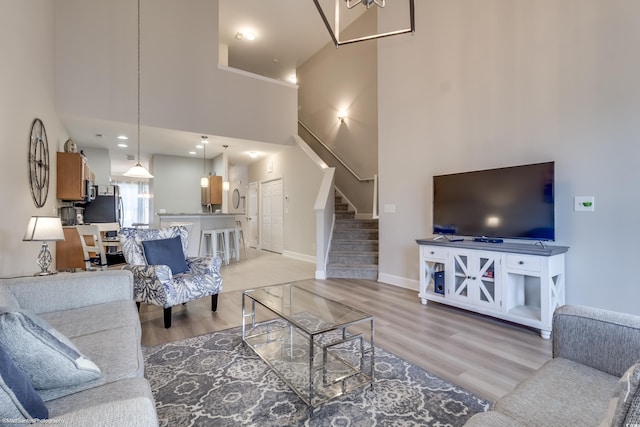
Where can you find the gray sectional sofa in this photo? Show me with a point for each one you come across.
(592, 380)
(96, 312)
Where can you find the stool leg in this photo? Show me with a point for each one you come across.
(244, 246)
(236, 244)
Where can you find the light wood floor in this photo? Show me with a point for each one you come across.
(487, 357)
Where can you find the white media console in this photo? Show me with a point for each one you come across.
(519, 282)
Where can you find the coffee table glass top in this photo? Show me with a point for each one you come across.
(298, 306)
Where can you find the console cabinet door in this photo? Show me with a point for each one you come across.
(488, 280)
(459, 280)
(474, 279)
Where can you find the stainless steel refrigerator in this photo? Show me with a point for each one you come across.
(107, 206)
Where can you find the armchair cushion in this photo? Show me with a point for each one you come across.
(131, 240)
(46, 357)
(166, 252)
(18, 399)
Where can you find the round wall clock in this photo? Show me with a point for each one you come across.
(38, 163)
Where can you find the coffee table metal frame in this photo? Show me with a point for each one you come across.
(333, 368)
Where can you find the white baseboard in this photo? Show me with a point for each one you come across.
(321, 275)
(401, 282)
(300, 257)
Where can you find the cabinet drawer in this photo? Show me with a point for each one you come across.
(523, 262)
(435, 252)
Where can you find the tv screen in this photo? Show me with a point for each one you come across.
(513, 203)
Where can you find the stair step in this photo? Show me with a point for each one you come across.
(345, 214)
(353, 258)
(355, 234)
(347, 271)
(352, 223)
(354, 245)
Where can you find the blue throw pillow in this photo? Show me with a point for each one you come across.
(47, 358)
(166, 252)
(18, 399)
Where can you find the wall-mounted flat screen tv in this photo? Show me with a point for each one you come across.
(507, 203)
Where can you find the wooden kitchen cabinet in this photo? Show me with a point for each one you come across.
(72, 174)
(69, 254)
(214, 190)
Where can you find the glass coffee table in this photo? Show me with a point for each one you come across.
(313, 344)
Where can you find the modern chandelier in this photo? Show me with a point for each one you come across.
(138, 171)
(335, 30)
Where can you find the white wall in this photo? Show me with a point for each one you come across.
(176, 184)
(181, 87)
(301, 180)
(99, 162)
(493, 83)
(27, 88)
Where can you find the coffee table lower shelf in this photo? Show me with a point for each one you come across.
(317, 368)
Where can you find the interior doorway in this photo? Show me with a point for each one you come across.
(271, 216)
(252, 214)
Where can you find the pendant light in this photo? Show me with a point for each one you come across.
(225, 160)
(138, 171)
(204, 181)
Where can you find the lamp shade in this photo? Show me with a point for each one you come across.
(44, 229)
(204, 182)
(138, 171)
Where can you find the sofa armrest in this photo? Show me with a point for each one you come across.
(64, 291)
(601, 339)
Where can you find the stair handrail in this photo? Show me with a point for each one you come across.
(317, 138)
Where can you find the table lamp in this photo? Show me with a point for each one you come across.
(44, 229)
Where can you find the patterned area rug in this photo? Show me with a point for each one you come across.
(212, 380)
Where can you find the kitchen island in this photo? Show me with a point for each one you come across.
(198, 222)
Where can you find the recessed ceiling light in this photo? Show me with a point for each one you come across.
(293, 79)
(123, 137)
(239, 36)
(250, 36)
(121, 145)
(253, 154)
(193, 153)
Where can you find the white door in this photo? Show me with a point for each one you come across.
(271, 216)
(252, 214)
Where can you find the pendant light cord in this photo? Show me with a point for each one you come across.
(138, 82)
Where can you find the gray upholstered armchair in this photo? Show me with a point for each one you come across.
(162, 274)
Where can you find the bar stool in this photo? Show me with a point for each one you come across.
(216, 241)
(241, 238)
(231, 235)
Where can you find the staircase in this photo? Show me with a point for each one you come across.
(354, 246)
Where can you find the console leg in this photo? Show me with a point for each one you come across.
(214, 302)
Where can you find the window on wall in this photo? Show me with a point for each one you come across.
(135, 203)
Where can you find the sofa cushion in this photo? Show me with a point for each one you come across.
(48, 358)
(118, 353)
(124, 389)
(627, 391)
(561, 393)
(18, 398)
(94, 318)
(166, 252)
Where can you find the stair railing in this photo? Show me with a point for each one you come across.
(326, 147)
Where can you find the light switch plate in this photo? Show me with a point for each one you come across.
(389, 208)
(584, 204)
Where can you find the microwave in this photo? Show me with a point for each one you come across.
(90, 191)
